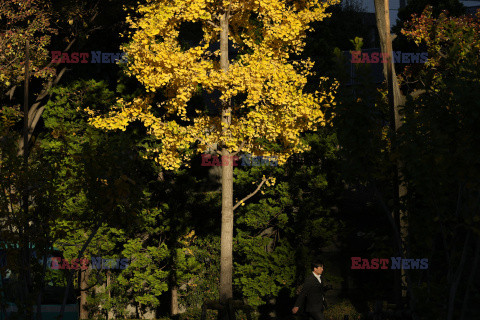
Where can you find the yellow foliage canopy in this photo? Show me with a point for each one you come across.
(275, 107)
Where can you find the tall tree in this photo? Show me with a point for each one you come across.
(396, 100)
(439, 144)
(262, 106)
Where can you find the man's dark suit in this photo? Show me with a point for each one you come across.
(312, 298)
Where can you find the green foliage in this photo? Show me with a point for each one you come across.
(196, 313)
(339, 310)
(276, 225)
(439, 147)
(204, 282)
(44, 205)
(265, 273)
(144, 276)
(94, 171)
(101, 181)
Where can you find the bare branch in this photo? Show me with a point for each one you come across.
(11, 91)
(239, 148)
(208, 145)
(416, 93)
(35, 112)
(251, 194)
(213, 24)
(229, 10)
(96, 280)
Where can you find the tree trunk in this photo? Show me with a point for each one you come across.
(42, 288)
(84, 276)
(110, 314)
(226, 242)
(174, 301)
(69, 274)
(396, 100)
(226, 259)
(26, 274)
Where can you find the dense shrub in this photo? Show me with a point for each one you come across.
(339, 310)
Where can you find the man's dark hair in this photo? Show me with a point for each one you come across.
(316, 264)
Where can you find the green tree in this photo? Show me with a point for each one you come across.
(100, 179)
(439, 145)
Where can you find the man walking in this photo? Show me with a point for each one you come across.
(312, 294)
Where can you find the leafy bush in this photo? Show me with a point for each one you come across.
(196, 314)
(339, 310)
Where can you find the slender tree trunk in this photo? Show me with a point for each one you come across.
(226, 262)
(42, 289)
(25, 277)
(69, 274)
(173, 278)
(226, 243)
(83, 284)
(84, 276)
(110, 313)
(26, 234)
(396, 100)
(174, 301)
(25, 106)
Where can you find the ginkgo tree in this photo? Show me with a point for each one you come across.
(263, 107)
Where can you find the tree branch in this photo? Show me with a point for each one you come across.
(208, 145)
(229, 10)
(35, 112)
(96, 280)
(251, 194)
(11, 91)
(213, 24)
(416, 93)
(239, 148)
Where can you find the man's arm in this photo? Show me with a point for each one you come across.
(325, 289)
(302, 296)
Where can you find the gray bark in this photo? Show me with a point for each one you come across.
(226, 244)
(396, 99)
